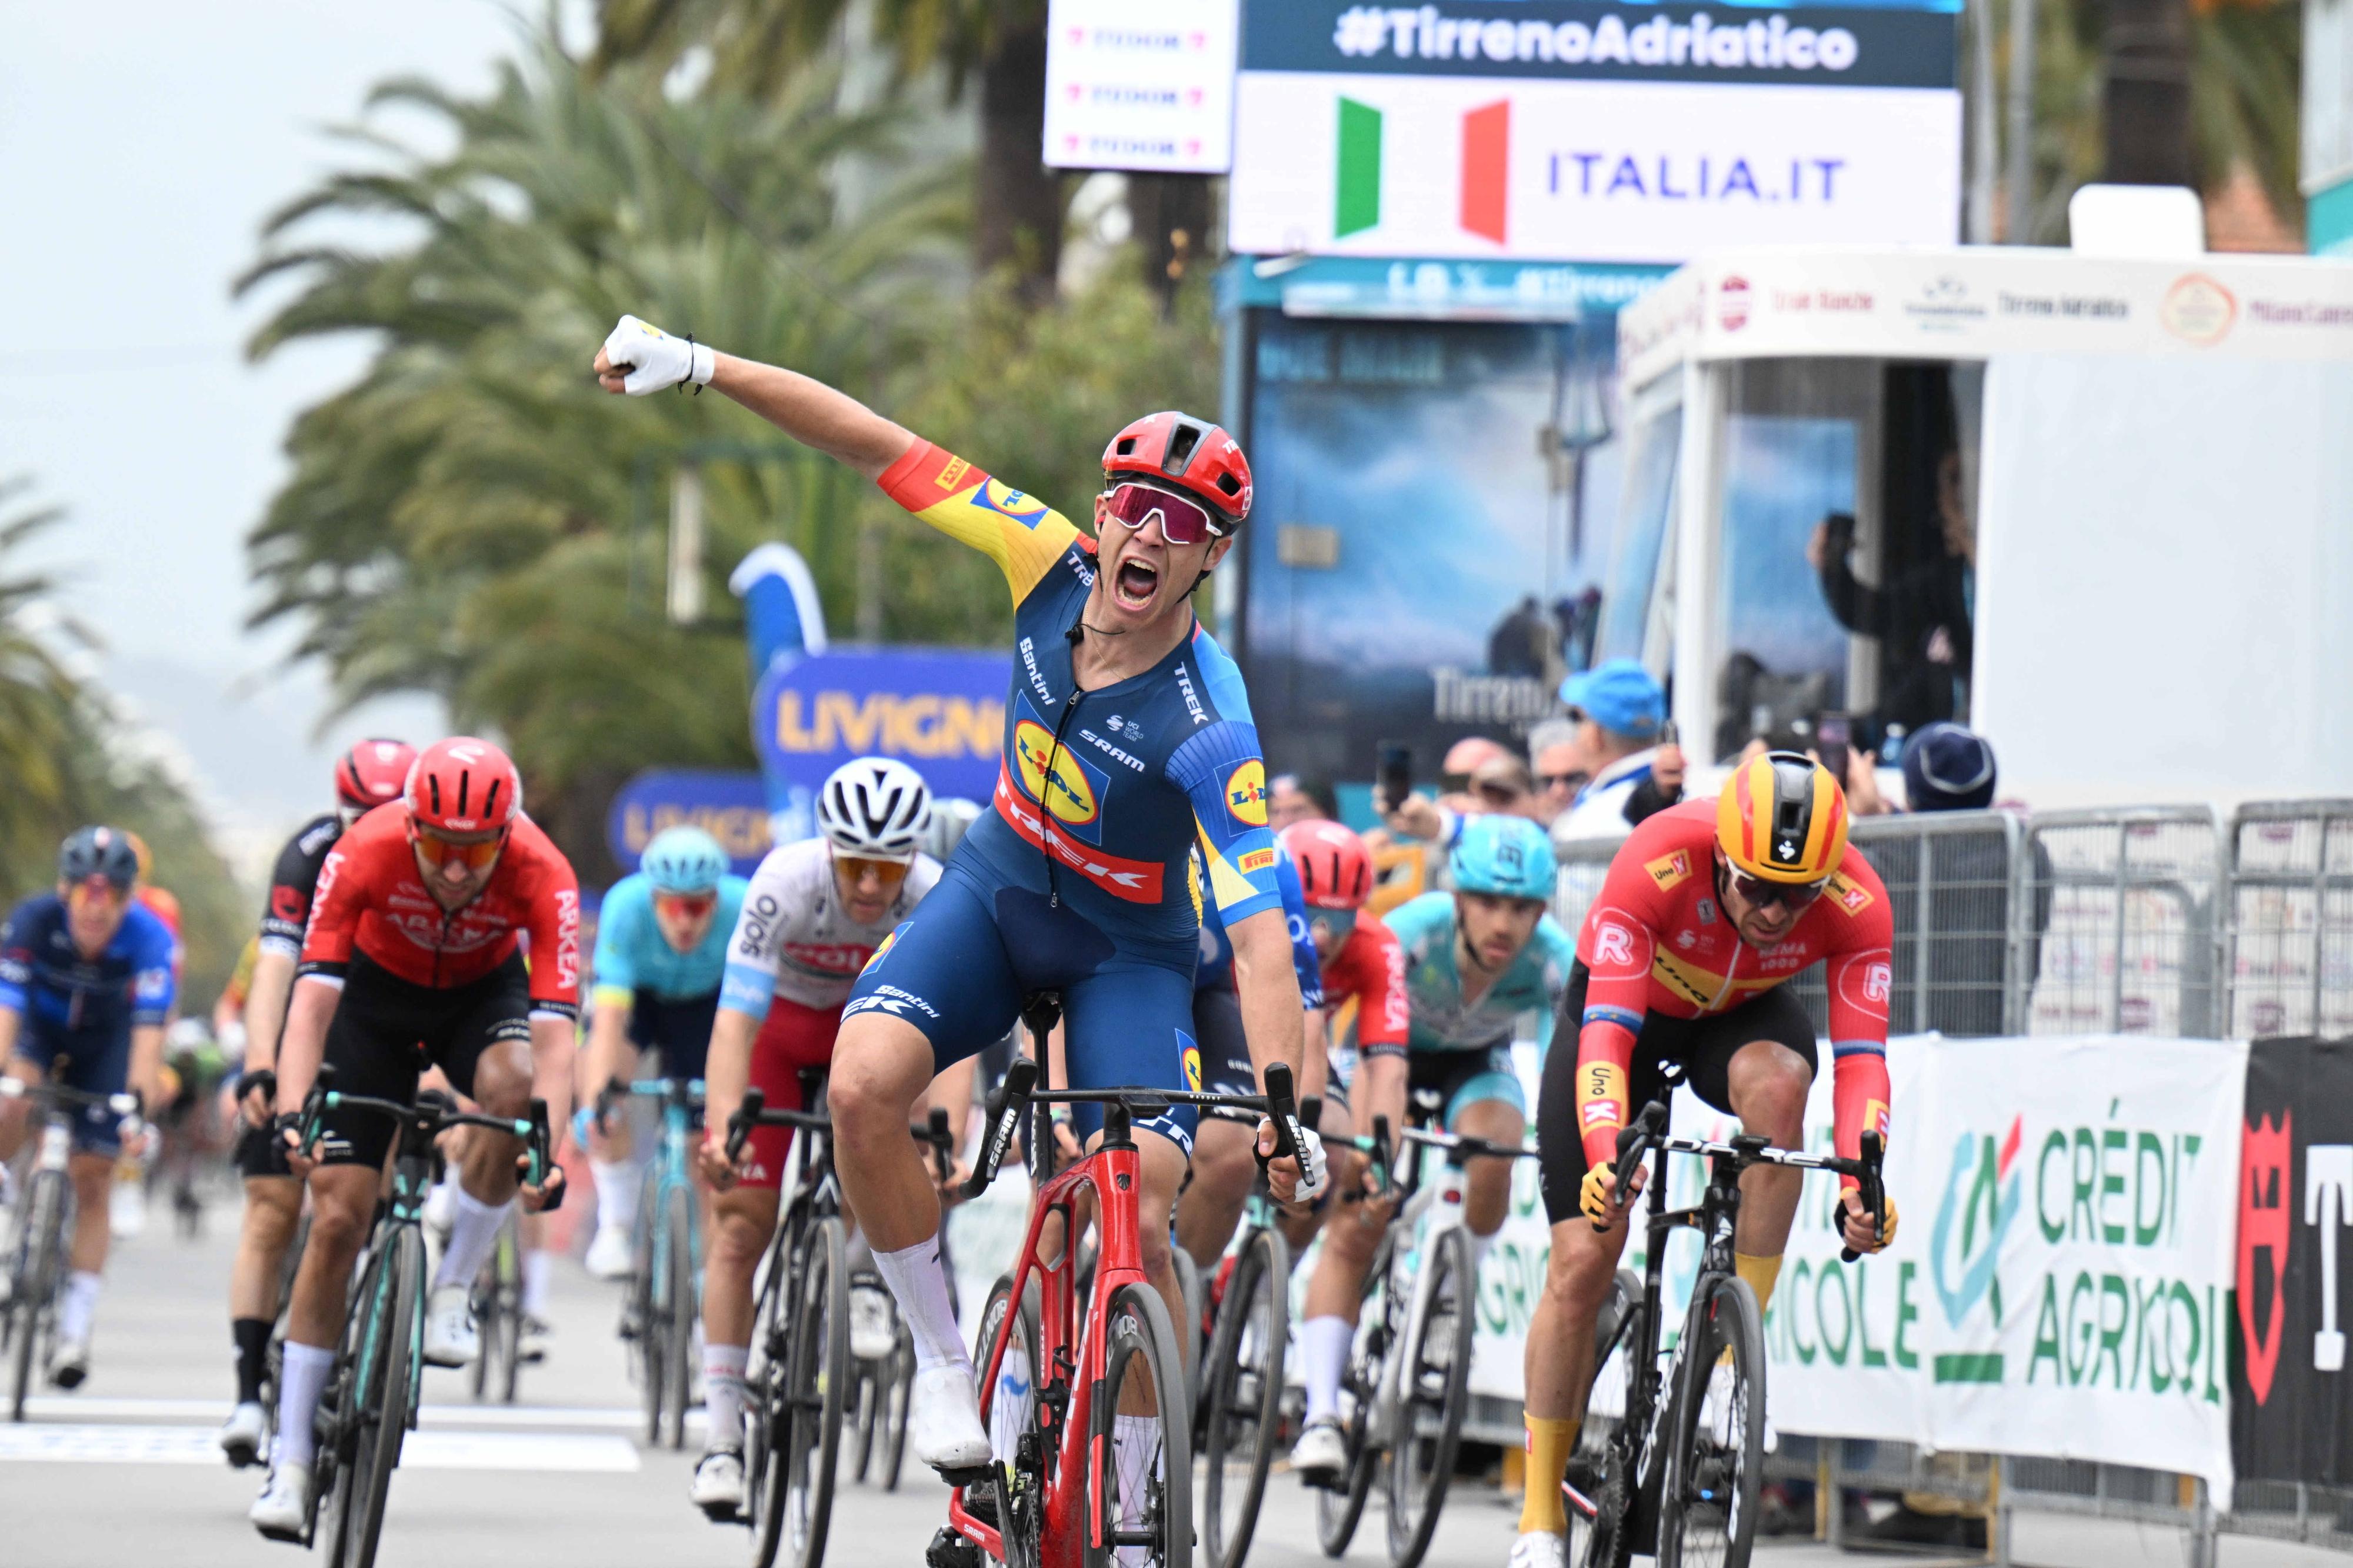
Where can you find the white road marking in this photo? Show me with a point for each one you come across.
(127, 1445)
(587, 1418)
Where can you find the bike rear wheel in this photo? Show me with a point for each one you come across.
(647, 1309)
(1338, 1509)
(1433, 1395)
(1008, 1409)
(897, 1390)
(816, 1378)
(1604, 1538)
(1716, 1434)
(1241, 1398)
(1143, 1486)
(32, 1302)
(375, 1414)
(678, 1346)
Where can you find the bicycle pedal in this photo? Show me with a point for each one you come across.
(949, 1550)
(967, 1475)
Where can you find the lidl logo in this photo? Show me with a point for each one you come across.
(1483, 195)
(1246, 793)
(1192, 1062)
(1069, 795)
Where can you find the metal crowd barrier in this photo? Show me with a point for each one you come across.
(2129, 919)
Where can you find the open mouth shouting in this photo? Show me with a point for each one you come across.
(1135, 585)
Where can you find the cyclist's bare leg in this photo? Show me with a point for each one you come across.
(742, 1219)
(1559, 1358)
(1487, 1183)
(1768, 1082)
(16, 1114)
(93, 1178)
(881, 1065)
(273, 1208)
(486, 1165)
(1225, 1163)
(342, 1205)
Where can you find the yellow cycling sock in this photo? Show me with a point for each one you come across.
(1760, 1273)
(1550, 1443)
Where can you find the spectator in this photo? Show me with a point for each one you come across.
(1921, 614)
(1559, 758)
(1289, 800)
(1620, 711)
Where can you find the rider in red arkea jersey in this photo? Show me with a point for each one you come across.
(1369, 964)
(371, 898)
(1657, 941)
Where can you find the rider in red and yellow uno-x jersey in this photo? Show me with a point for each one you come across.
(1708, 910)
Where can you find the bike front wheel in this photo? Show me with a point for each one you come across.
(1242, 1395)
(678, 1348)
(1338, 1509)
(1603, 1525)
(1433, 1394)
(374, 1414)
(1716, 1434)
(805, 1404)
(1141, 1465)
(32, 1300)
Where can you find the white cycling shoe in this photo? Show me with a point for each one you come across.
(1539, 1549)
(611, 1256)
(69, 1363)
(873, 1331)
(1320, 1453)
(282, 1511)
(718, 1487)
(450, 1337)
(943, 1419)
(241, 1434)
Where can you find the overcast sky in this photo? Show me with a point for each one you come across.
(140, 145)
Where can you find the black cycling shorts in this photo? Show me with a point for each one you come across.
(678, 1030)
(1704, 1047)
(1226, 1067)
(388, 1030)
(260, 1152)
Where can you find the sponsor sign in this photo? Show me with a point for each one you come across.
(2292, 1419)
(939, 710)
(1144, 88)
(1546, 130)
(733, 807)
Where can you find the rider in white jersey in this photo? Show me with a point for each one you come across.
(815, 913)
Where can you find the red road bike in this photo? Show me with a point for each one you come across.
(1061, 1358)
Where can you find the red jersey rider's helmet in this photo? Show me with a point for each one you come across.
(1191, 454)
(1335, 869)
(463, 785)
(372, 773)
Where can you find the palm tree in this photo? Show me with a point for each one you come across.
(758, 46)
(38, 705)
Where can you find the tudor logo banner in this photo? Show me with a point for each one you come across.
(2293, 1401)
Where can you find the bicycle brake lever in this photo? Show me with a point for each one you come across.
(1869, 1188)
(746, 1117)
(543, 1161)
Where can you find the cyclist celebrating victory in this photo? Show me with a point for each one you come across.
(366, 776)
(414, 955)
(816, 912)
(86, 985)
(1475, 960)
(1707, 909)
(1127, 738)
(661, 944)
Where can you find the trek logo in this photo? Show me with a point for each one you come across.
(1485, 194)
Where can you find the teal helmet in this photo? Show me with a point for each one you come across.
(683, 860)
(1508, 857)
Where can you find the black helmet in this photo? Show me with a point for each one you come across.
(98, 852)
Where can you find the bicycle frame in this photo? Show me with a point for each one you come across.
(673, 1168)
(1111, 1176)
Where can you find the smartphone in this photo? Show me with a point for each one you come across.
(1833, 738)
(1667, 735)
(1395, 775)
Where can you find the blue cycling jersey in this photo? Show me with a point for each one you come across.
(1218, 949)
(633, 955)
(44, 976)
(1442, 1020)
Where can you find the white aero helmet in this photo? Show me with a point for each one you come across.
(952, 819)
(875, 806)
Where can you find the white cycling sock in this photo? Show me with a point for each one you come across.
(617, 1193)
(1324, 1343)
(535, 1268)
(1136, 1452)
(79, 1305)
(723, 1393)
(921, 1286)
(1479, 1245)
(439, 1203)
(473, 1232)
(299, 1379)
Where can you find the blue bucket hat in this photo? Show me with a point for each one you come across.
(1947, 767)
(1621, 696)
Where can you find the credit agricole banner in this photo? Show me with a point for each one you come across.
(1545, 130)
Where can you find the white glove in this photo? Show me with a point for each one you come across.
(656, 360)
(1314, 1169)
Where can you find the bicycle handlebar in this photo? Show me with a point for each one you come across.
(431, 1107)
(1647, 1133)
(1012, 1098)
(1469, 1147)
(126, 1106)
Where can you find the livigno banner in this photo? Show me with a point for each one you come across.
(1544, 129)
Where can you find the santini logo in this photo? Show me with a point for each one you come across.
(1764, 43)
(1485, 200)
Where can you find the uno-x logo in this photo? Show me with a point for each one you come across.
(1877, 981)
(1613, 944)
(1485, 206)
(1982, 1195)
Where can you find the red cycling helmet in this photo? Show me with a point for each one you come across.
(463, 785)
(1335, 869)
(372, 773)
(1197, 457)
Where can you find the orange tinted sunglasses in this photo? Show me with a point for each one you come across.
(889, 873)
(686, 906)
(443, 851)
